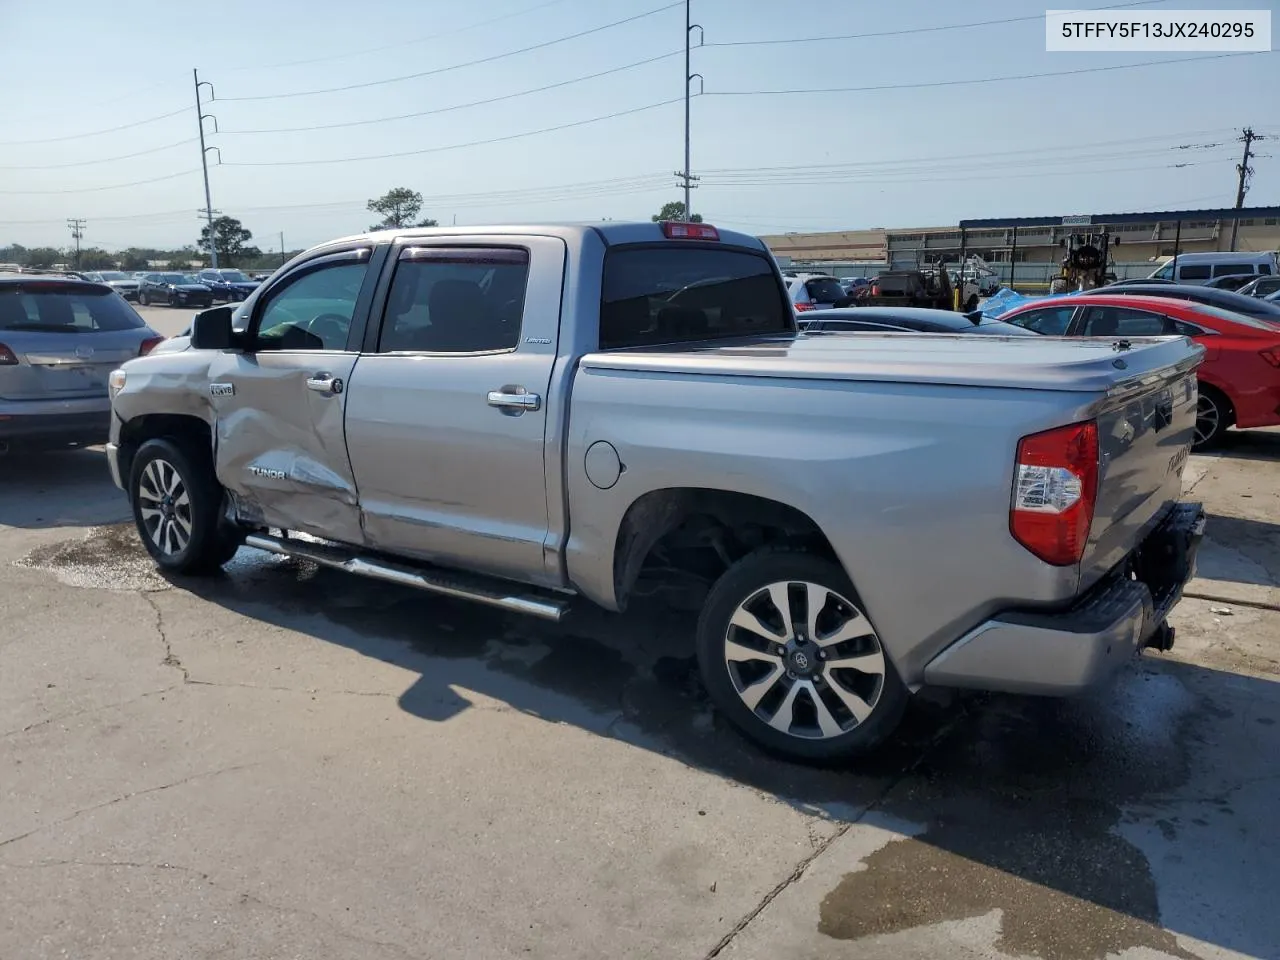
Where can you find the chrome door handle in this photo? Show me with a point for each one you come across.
(514, 401)
(325, 383)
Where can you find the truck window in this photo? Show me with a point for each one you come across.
(677, 294)
(1232, 269)
(313, 312)
(1193, 271)
(455, 300)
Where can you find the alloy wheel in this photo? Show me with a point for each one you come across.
(1208, 419)
(804, 660)
(165, 506)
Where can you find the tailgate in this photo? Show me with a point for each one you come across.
(65, 365)
(1144, 438)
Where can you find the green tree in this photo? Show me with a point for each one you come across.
(43, 257)
(675, 211)
(94, 258)
(230, 238)
(399, 207)
(133, 259)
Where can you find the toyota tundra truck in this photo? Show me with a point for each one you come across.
(536, 417)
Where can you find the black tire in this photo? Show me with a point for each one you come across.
(142, 298)
(745, 584)
(1213, 416)
(209, 540)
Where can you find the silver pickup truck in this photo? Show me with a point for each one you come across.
(533, 417)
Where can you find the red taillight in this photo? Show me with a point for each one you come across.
(1272, 356)
(1055, 485)
(677, 230)
(7, 357)
(149, 344)
(802, 307)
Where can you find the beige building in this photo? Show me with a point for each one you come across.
(1037, 240)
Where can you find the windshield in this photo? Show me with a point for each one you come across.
(174, 278)
(64, 308)
(676, 294)
(232, 276)
(113, 275)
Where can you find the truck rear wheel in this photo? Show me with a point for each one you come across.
(789, 657)
(177, 508)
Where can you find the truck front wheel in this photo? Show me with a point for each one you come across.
(177, 508)
(789, 657)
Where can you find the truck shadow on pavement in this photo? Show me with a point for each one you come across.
(1089, 823)
(65, 488)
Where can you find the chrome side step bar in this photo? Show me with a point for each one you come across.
(481, 589)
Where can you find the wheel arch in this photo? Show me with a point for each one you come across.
(708, 529)
(188, 430)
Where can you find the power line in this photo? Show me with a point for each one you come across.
(455, 146)
(392, 46)
(457, 66)
(458, 106)
(980, 80)
(113, 186)
(915, 30)
(94, 133)
(89, 163)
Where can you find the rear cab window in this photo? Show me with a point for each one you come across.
(64, 308)
(681, 292)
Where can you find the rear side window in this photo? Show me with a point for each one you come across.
(1264, 269)
(456, 300)
(679, 293)
(54, 310)
(1194, 271)
(1233, 269)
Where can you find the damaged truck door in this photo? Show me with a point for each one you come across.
(280, 401)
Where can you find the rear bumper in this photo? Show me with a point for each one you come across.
(31, 425)
(1064, 652)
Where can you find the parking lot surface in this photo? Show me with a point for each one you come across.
(287, 761)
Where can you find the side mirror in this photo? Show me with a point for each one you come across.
(211, 329)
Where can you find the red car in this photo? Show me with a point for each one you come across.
(1240, 377)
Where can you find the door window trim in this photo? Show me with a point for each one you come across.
(374, 256)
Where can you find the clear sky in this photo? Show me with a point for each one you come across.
(923, 156)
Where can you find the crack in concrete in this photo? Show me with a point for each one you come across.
(170, 658)
(799, 870)
(82, 712)
(126, 796)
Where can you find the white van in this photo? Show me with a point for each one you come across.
(1203, 267)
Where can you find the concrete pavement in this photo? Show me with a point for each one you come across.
(291, 762)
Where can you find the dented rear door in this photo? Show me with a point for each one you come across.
(280, 402)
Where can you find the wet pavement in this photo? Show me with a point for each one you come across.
(289, 761)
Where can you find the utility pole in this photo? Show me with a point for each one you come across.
(282, 248)
(1245, 171)
(686, 177)
(77, 231)
(208, 210)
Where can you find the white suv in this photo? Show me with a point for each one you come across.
(814, 291)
